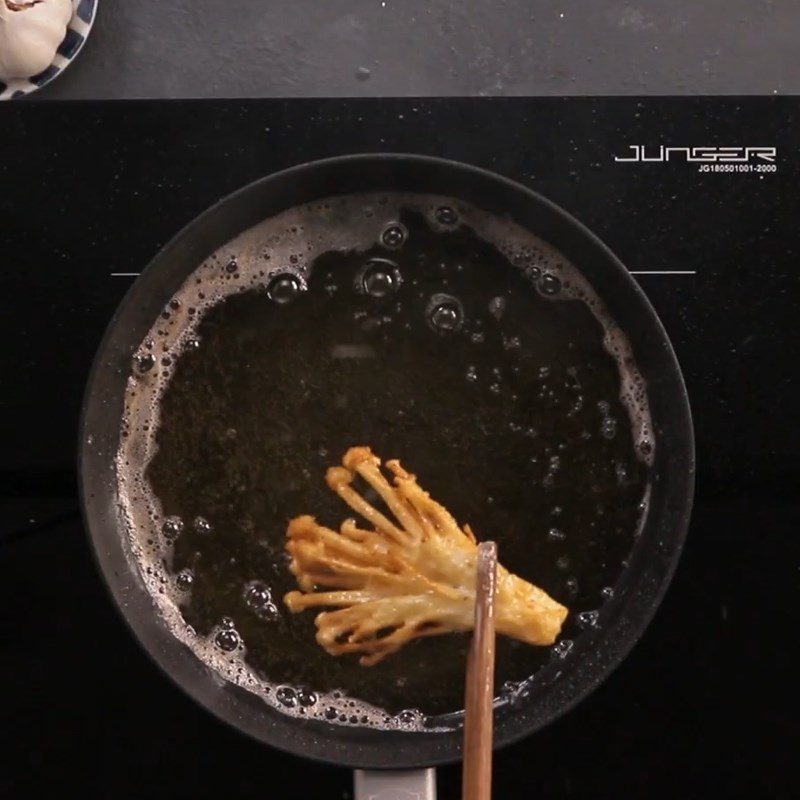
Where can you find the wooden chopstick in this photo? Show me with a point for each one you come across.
(479, 694)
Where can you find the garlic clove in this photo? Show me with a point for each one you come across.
(30, 33)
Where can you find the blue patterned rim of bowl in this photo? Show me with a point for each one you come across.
(83, 15)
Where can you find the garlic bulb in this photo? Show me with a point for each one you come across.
(30, 33)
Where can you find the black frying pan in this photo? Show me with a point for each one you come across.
(597, 651)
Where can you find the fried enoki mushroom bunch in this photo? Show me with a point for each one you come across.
(404, 578)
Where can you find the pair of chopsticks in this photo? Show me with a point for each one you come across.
(479, 694)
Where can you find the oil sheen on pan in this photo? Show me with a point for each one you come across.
(437, 334)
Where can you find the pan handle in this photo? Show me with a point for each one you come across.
(407, 784)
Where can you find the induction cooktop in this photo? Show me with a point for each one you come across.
(699, 197)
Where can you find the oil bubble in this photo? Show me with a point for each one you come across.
(284, 288)
(533, 273)
(232, 265)
(446, 215)
(146, 362)
(184, 580)
(258, 599)
(286, 696)
(577, 405)
(306, 697)
(257, 594)
(588, 619)
(202, 526)
(549, 284)
(445, 313)
(562, 649)
(394, 235)
(608, 428)
(556, 535)
(227, 640)
(380, 278)
(172, 528)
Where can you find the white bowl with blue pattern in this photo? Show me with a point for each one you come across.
(83, 14)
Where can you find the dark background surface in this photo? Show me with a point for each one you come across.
(367, 48)
(701, 705)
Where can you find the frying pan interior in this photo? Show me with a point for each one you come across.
(597, 651)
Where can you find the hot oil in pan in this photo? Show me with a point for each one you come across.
(486, 372)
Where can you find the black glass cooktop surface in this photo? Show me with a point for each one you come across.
(698, 196)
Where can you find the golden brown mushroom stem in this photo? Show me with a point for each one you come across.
(404, 580)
